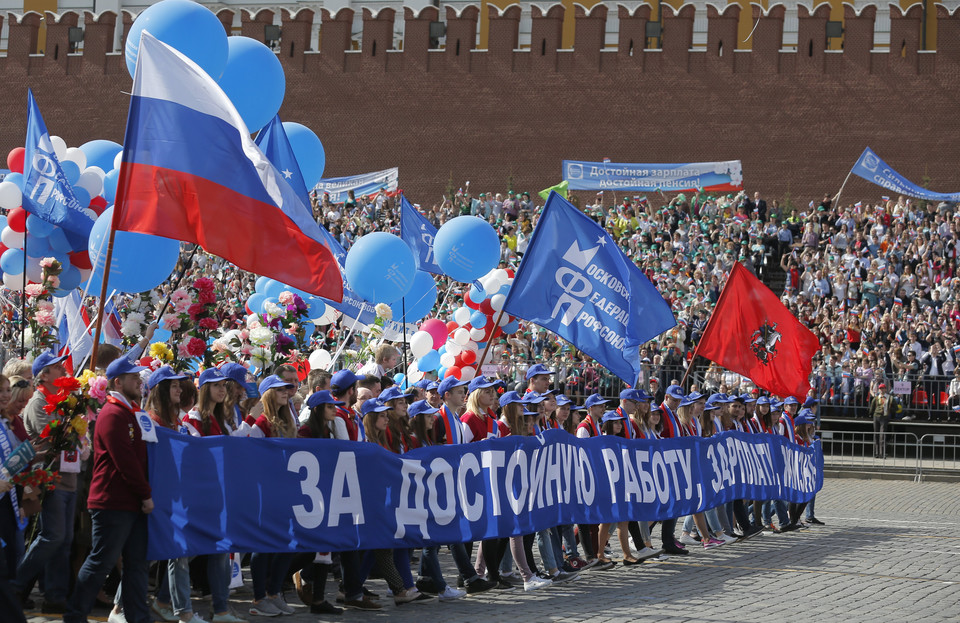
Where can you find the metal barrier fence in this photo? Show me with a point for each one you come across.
(901, 451)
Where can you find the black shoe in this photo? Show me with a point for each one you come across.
(427, 586)
(362, 604)
(27, 603)
(459, 581)
(790, 527)
(370, 594)
(751, 532)
(673, 550)
(543, 575)
(503, 585)
(53, 607)
(479, 586)
(325, 607)
(816, 521)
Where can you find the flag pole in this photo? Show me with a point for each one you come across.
(490, 341)
(176, 282)
(706, 329)
(836, 197)
(103, 296)
(403, 300)
(23, 299)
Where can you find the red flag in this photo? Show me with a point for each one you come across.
(753, 334)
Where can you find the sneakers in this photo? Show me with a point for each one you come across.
(503, 585)
(227, 617)
(361, 604)
(790, 527)
(751, 532)
(325, 607)
(411, 595)
(676, 551)
(304, 589)
(426, 585)
(648, 552)
(164, 613)
(577, 564)
(711, 542)
(562, 576)
(769, 528)
(116, 617)
(727, 539)
(194, 619)
(282, 604)
(536, 582)
(603, 565)
(815, 521)
(513, 579)
(452, 594)
(687, 539)
(263, 608)
(479, 585)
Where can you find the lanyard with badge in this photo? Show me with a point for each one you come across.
(148, 429)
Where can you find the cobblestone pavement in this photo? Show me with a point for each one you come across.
(890, 552)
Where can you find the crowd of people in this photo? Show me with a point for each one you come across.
(875, 282)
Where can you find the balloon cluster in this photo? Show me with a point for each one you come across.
(453, 348)
(268, 290)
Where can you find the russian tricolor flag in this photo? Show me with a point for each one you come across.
(191, 172)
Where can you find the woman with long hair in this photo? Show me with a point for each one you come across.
(689, 413)
(398, 435)
(20, 392)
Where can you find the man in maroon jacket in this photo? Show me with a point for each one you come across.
(119, 500)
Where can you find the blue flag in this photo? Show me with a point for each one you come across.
(871, 168)
(576, 282)
(46, 191)
(418, 233)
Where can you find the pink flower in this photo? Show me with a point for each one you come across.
(170, 322)
(180, 299)
(45, 306)
(35, 289)
(98, 388)
(203, 284)
(208, 324)
(45, 318)
(196, 310)
(54, 281)
(206, 297)
(285, 297)
(196, 346)
(244, 335)
(48, 262)
(245, 350)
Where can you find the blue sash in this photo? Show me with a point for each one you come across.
(6, 448)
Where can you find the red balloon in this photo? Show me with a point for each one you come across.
(98, 204)
(15, 159)
(80, 259)
(3, 248)
(17, 220)
(451, 327)
(486, 307)
(467, 357)
(469, 302)
(453, 371)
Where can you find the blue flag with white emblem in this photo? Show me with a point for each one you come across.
(46, 191)
(418, 233)
(576, 282)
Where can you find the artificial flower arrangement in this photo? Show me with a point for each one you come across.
(191, 323)
(276, 336)
(40, 311)
(373, 338)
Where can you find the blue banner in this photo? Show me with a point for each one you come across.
(871, 168)
(576, 282)
(46, 191)
(366, 184)
(228, 494)
(418, 233)
(619, 176)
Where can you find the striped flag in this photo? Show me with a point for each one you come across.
(75, 338)
(864, 349)
(956, 350)
(898, 301)
(858, 205)
(885, 198)
(111, 324)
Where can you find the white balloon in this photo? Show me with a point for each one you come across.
(453, 348)
(471, 345)
(505, 320)
(118, 159)
(319, 359)
(415, 377)
(96, 171)
(11, 239)
(497, 301)
(11, 197)
(477, 334)
(85, 274)
(75, 154)
(329, 316)
(490, 284)
(14, 282)
(60, 147)
(421, 343)
(91, 213)
(34, 272)
(447, 360)
(90, 182)
(461, 316)
(467, 373)
(502, 276)
(461, 336)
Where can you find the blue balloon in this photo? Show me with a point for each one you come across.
(16, 178)
(398, 378)
(101, 153)
(140, 262)
(380, 267)
(110, 181)
(82, 195)
(511, 327)
(441, 373)
(71, 170)
(70, 278)
(253, 80)
(37, 247)
(316, 308)
(160, 335)
(273, 289)
(442, 349)
(419, 301)
(308, 329)
(186, 26)
(260, 284)
(3, 221)
(38, 227)
(12, 261)
(58, 241)
(429, 362)
(466, 248)
(477, 293)
(308, 151)
(478, 319)
(255, 302)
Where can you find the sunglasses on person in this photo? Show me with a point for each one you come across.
(21, 384)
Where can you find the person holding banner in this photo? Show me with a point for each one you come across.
(343, 386)
(399, 440)
(669, 428)
(9, 517)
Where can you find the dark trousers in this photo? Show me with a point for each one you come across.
(795, 511)
(880, 438)
(493, 551)
(9, 601)
(668, 531)
(589, 535)
(115, 533)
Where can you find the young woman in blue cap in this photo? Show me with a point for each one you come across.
(398, 435)
(688, 416)
(612, 424)
(277, 419)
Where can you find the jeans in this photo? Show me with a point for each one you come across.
(462, 559)
(50, 551)
(267, 572)
(430, 567)
(175, 586)
(350, 570)
(9, 600)
(880, 436)
(783, 517)
(545, 545)
(115, 533)
(569, 540)
(810, 514)
(218, 576)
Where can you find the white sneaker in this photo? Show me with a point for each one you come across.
(648, 552)
(281, 604)
(227, 617)
(116, 617)
(536, 582)
(264, 608)
(164, 612)
(687, 539)
(193, 619)
(726, 537)
(451, 594)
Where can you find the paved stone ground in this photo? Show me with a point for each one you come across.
(890, 552)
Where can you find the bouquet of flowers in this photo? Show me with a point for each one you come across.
(191, 322)
(68, 409)
(40, 315)
(277, 336)
(372, 340)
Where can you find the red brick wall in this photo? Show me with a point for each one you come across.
(798, 121)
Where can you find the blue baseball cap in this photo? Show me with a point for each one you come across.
(44, 359)
(432, 386)
(449, 383)
(533, 398)
(643, 396)
(563, 400)
(391, 393)
(763, 400)
(161, 374)
(710, 406)
(482, 382)
(630, 394)
(373, 406)
(692, 397)
(342, 380)
(423, 384)
(594, 400)
(775, 405)
(236, 372)
(537, 369)
(211, 375)
(119, 366)
(530, 413)
(809, 402)
(510, 398)
(270, 382)
(790, 400)
(421, 406)
(675, 391)
(746, 398)
(611, 416)
(322, 397)
(804, 417)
